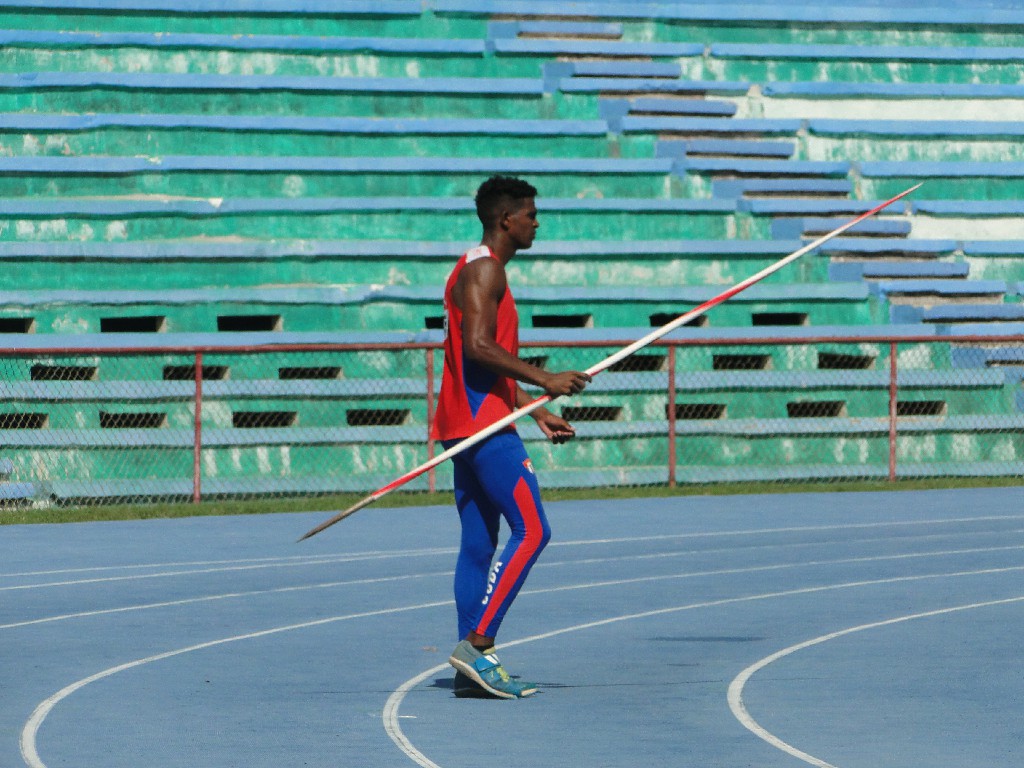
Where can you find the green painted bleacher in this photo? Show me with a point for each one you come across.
(251, 172)
(308, 176)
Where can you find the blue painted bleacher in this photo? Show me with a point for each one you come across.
(192, 40)
(962, 313)
(332, 295)
(303, 7)
(993, 248)
(556, 70)
(93, 165)
(940, 13)
(862, 90)
(969, 207)
(651, 85)
(936, 13)
(915, 128)
(941, 169)
(748, 167)
(146, 391)
(184, 342)
(573, 29)
(816, 225)
(776, 187)
(839, 52)
(723, 148)
(29, 121)
(55, 207)
(491, 86)
(819, 207)
(940, 287)
(886, 247)
(375, 249)
(701, 126)
(613, 110)
(577, 47)
(887, 270)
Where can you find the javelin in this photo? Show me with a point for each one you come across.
(598, 367)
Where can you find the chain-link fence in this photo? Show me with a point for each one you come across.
(100, 426)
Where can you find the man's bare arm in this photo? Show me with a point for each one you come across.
(478, 292)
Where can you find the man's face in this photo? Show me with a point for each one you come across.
(522, 224)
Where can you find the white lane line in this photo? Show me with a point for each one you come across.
(735, 695)
(569, 587)
(391, 709)
(225, 596)
(370, 555)
(391, 717)
(299, 560)
(30, 731)
(302, 561)
(795, 529)
(197, 572)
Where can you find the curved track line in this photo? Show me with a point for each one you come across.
(29, 732)
(735, 695)
(390, 715)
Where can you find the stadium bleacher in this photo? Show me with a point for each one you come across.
(265, 173)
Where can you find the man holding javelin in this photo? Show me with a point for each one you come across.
(494, 478)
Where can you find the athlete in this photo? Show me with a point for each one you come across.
(494, 478)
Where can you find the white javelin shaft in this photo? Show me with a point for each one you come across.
(623, 353)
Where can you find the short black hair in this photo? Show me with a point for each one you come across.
(497, 192)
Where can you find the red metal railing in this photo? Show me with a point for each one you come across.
(672, 346)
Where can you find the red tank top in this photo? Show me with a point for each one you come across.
(473, 397)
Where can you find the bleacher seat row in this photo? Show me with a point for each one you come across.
(233, 173)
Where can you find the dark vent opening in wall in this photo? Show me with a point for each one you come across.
(435, 323)
(249, 323)
(832, 361)
(309, 372)
(563, 321)
(24, 420)
(63, 372)
(921, 408)
(818, 409)
(188, 372)
(698, 411)
(592, 413)
(143, 324)
(741, 362)
(377, 417)
(659, 319)
(132, 420)
(264, 419)
(640, 364)
(778, 318)
(17, 325)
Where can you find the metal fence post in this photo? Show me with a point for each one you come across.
(672, 416)
(197, 440)
(431, 476)
(893, 389)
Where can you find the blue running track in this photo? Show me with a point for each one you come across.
(857, 630)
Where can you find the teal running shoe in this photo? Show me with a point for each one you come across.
(466, 687)
(486, 671)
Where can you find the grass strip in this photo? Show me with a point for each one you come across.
(14, 515)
